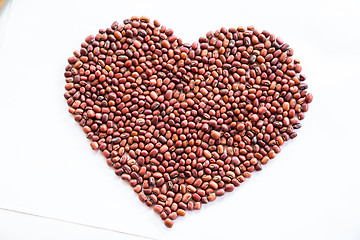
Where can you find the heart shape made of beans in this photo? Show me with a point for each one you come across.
(185, 123)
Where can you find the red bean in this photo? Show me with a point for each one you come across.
(168, 222)
(185, 123)
(309, 98)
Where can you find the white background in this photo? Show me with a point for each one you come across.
(309, 191)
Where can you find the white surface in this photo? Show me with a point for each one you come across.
(15, 225)
(309, 191)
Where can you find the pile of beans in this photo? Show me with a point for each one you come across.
(185, 123)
